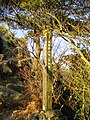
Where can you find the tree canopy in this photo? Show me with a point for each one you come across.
(68, 19)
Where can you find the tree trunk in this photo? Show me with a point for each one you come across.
(47, 74)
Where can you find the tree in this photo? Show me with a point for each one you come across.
(68, 19)
(78, 80)
(36, 16)
(71, 85)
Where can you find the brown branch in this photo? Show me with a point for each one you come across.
(16, 12)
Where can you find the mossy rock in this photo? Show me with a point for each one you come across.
(18, 88)
(8, 95)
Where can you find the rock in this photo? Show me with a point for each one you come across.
(18, 88)
(0, 102)
(8, 95)
(1, 57)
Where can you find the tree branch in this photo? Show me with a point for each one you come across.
(69, 39)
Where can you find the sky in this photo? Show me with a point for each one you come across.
(59, 45)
